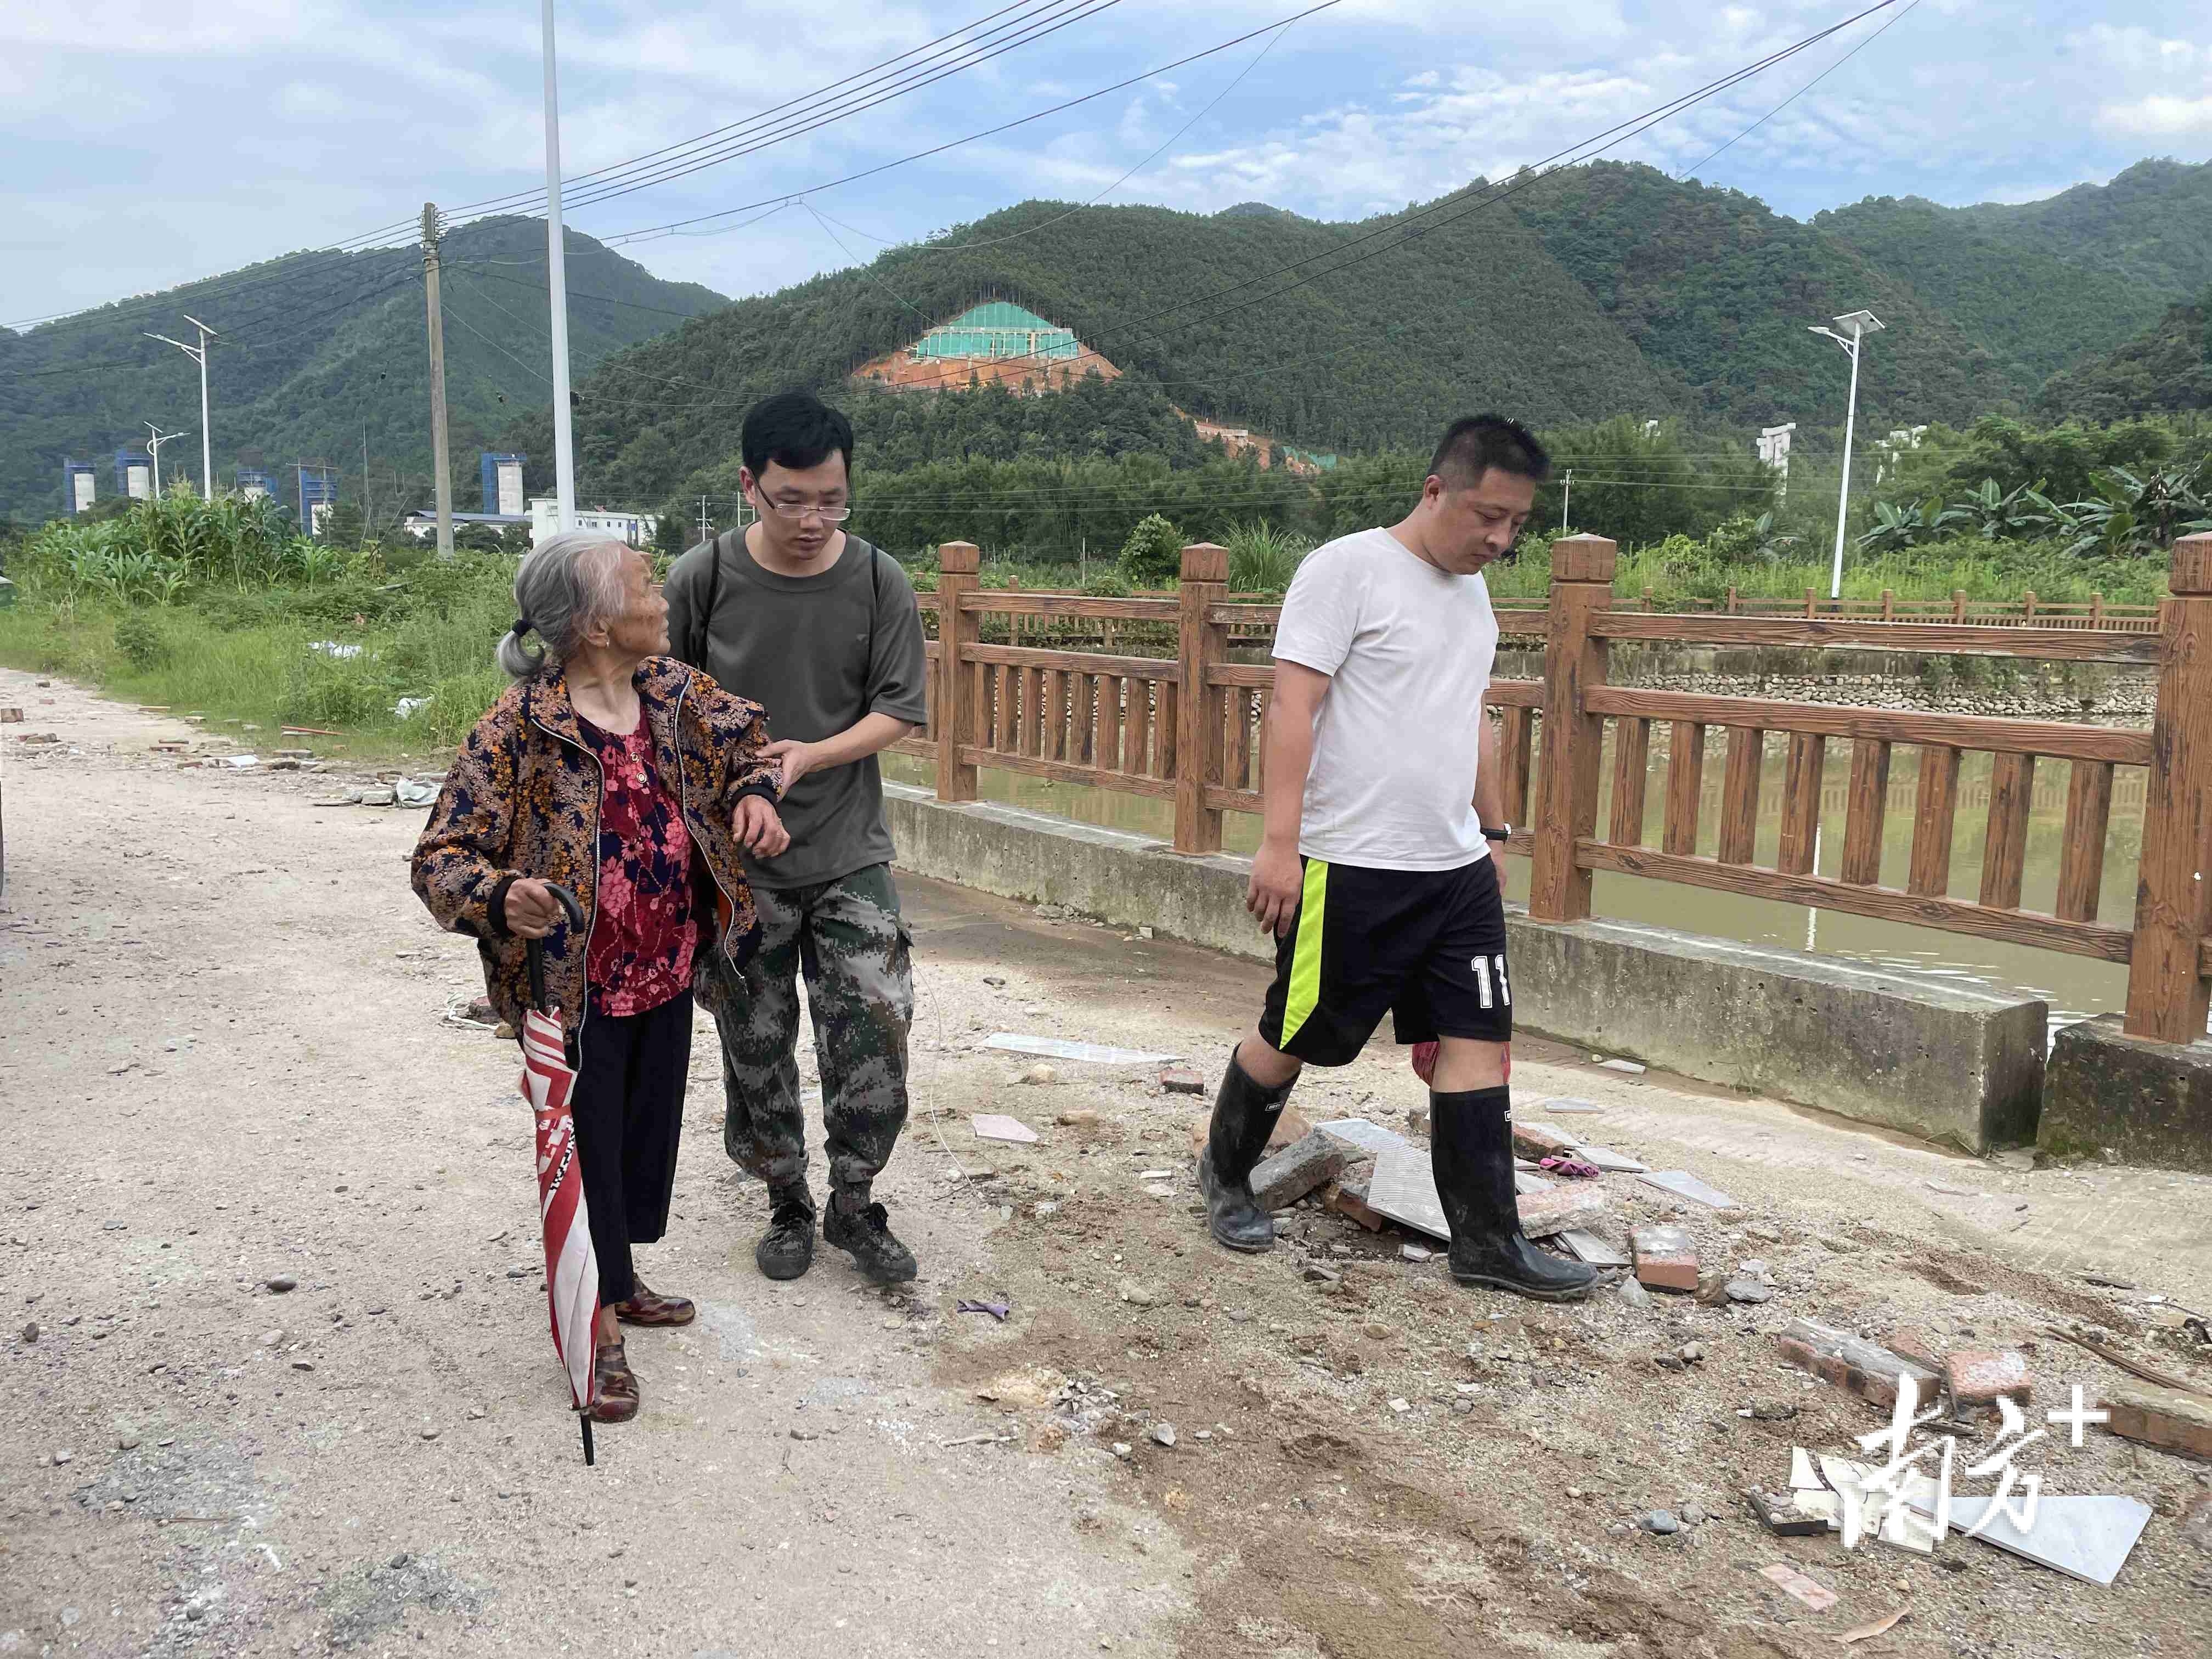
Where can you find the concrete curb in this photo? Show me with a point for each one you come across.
(1945, 1062)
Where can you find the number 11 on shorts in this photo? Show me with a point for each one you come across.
(1484, 968)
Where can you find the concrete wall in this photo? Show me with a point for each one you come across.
(2147, 1102)
(1930, 1058)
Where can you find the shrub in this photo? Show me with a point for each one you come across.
(1108, 584)
(338, 692)
(141, 641)
(1262, 558)
(1152, 556)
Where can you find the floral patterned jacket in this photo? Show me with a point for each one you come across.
(523, 800)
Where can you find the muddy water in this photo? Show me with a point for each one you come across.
(2075, 986)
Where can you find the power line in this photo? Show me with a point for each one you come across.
(679, 226)
(348, 246)
(1887, 25)
(871, 77)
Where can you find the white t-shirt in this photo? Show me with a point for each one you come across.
(1408, 651)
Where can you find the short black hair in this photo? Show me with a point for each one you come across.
(1472, 446)
(795, 429)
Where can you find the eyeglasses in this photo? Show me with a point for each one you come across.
(802, 510)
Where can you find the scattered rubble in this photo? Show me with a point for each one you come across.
(1665, 1258)
(1282, 1180)
(1865, 1369)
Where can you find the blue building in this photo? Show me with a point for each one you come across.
(318, 490)
(134, 474)
(253, 481)
(78, 486)
(502, 485)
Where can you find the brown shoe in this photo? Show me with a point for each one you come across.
(617, 1384)
(645, 1307)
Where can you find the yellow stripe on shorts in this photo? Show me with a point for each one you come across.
(1305, 957)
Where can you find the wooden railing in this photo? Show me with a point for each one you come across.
(1187, 727)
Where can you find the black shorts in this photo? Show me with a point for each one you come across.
(1426, 945)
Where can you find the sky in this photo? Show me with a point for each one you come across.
(153, 144)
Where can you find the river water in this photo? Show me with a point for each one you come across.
(2075, 986)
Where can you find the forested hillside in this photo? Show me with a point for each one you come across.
(1470, 314)
(2031, 311)
(1610, 290)
(2165, 369)
(319, 354)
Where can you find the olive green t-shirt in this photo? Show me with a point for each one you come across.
(819, 652)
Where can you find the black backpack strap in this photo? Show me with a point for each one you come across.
(702, 624)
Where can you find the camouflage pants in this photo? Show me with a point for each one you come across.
(848, 939)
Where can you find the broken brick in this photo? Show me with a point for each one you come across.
(1351, 1202)
(1977, 1376)
(1559, 1209)
(1665, 1257)
(1781, 1515)
(1863, 1368)
(1182, 1080)
(2164, 1417)
(1287, 1176)
(1537, 1142)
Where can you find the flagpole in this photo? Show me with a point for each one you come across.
(556, 282)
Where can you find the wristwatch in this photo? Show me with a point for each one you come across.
(1503, 832)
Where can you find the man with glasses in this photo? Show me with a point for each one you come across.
(822, 629)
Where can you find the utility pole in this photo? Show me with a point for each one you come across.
(441, 471)
(367, 516)
(1854, 326)
(556, 283)
(1567, 506)
(153, 448)
(198, 354)
(702, 517)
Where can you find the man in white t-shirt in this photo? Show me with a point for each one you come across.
(1374, 870)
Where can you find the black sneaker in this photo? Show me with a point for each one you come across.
(866, 1234)
(786, 1249)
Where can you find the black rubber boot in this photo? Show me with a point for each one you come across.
(1471, 1150)
(1244, 1115)
(853, 1224)
(786, 1249)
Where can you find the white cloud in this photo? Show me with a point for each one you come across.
(178, 139)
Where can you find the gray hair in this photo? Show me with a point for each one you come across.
(567, 585)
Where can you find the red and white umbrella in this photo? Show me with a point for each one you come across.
(572, 1266)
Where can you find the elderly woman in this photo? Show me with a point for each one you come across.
(632, 780)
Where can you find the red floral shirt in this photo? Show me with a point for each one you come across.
(642, 931)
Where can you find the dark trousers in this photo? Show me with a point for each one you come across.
(628, 1105)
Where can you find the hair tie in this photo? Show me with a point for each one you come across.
(521, 627)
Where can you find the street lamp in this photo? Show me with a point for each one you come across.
(154, 448)
(1849, 332)
(556, 282)
(198, 354)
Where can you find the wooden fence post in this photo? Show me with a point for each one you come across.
(1958, 604)
(1200, 644)
(2167, 991)
(957, 564)
(1582, 585)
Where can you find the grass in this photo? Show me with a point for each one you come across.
(254, 662)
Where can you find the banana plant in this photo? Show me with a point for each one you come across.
(1998, 516)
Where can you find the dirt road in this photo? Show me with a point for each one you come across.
(226, 1064)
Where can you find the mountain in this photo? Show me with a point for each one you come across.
(1600, 290)
(2031, 309)
(319, 354)
(1610, 289)
(1472, 314)
(2152, 224)
(2164, 370)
